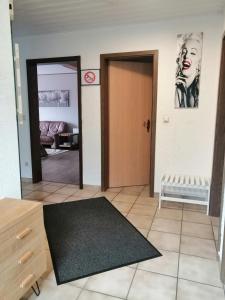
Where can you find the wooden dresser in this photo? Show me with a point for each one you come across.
(22, 247)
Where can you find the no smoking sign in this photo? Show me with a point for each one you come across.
(90, 77)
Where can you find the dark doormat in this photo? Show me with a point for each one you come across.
(90, 236)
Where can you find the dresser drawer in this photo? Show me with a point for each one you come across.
(16, 263)
(22, 235)
(16, 287)
(17, 227)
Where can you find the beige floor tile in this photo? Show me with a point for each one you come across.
(147, 201)
(133, 266)
(216, 232)
(108, 195)
(47, 203)
(165, 241)
(50, 291)
(57, 184)
(67, 190)
(144, 232)
(196, 217)
(56, 198)
(80, 283)
(199, 269)
(50, 276)
(167, 264)
(122, 206)
(198, 230)
(143, 210)
(25, 192)
(73, 185)
(166, 213)
(215, 221)
(188, 290)
(43, 182)
(125, 198)
(198, 247)
(74, 198)
(124, 214)
(85, 193)
(114, 190)
(88, 295)
(138, 221)
(132, 190)
(114, 283)
(50, 188)
(34, 186)
(165, 225)
(148, 285)
(145, 192)
(93, 188)
(37, 195)
(171, 204)
(195, 207)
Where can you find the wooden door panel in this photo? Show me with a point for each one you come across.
(130, 98)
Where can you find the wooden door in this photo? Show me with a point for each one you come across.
(219, 144)
(130, 104)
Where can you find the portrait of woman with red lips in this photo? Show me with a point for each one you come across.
(188, 70)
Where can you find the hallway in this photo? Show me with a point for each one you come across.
(184, 235)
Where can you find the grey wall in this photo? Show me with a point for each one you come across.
(60, 82)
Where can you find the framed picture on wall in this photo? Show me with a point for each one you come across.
(90, 77)
(54, 98)
(188, 71)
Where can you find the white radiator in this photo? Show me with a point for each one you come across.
(185, 189)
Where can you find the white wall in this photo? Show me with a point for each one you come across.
(222, 221)
(9, 155)
(60, 82)
(185, 144)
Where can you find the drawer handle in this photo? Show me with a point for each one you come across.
(23, 233)
(27, 281)
(25, 258)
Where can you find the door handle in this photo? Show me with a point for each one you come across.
(147, 124)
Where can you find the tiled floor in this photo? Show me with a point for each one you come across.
(188, 269)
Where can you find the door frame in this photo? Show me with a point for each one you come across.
(150, 55)
(219, 144)
(32, 83)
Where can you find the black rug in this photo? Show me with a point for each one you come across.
(90, 236)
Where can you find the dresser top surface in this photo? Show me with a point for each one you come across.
(13, 210)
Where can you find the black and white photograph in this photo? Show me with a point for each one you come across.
(188, 71)
(53, 98)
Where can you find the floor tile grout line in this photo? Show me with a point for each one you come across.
(93, 291)
(78, 296)
(137, 264)
(215, 286)
(135, 271)
(191, 236)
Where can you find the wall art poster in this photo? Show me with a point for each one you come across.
(188, 69)
(53, 98)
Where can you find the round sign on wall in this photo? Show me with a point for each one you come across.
(90, 77)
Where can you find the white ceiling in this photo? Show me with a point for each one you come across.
(46, 16)
(54, 68)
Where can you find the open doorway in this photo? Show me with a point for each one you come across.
(128, 98)
(55, 120)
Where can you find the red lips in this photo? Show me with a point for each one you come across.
(186, 64)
